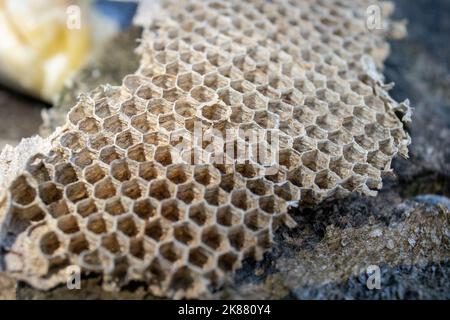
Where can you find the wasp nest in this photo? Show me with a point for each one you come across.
(113, 193)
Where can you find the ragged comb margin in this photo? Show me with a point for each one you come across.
(112, 193)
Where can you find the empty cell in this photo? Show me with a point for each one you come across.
(326, 180)
(127, 226)
(216, 196)
(156, 138)
(144, 209)
(215, 81)
(101, 109)
(147, 92)
(72, 141)
(200, 213)
(354, 153)
(185, 108)
(341, 167)
(83, 158)
(315, 160)
(109, 154)
(286, 191)
(215, 112)
(78, 244)
(255, 101)
(137, 249)
(173, 94)
(49, 192)
(68, 224)
(188, 80)
(214, 238)
(156, 230)
(161, 189)
(86, 207)
(202, 94)
(143, 123)
(228, 261)
(271, 204)
(58, 209)
(172, 210)
(171, 252)
(126, 139)
(112, 243)
(150, 171)
(89, 126)
(185, 233)
(105, 189)
(99, 141)
(301, 177)
(131, 189)
(49, 243)
(242, 199)
(169, 122)
(189, 192)
(115, 207)
(256, 220)
(164, 81)
(201, 258)
(289, 158)
(230, 96)
(65, 173)
(206, 175)
(228, 216)
(157, 107)
(140, 153)
(163, 155)
(114, 124)
(76, 192)
(94, 173)
(329, 148)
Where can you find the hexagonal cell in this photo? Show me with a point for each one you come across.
(201, 258)
(185, 108)
(315, 160)
(202, 94)
(89, 126)
(72, 141)
(143, 123)
(303, 144)
(228, 216)
(378, 160)
(137, 249)
(104, 189)
(150, 171)
(202, 68)
(113, 243)
(228, 261)
(114, 124)
(326, 180)
(354, 153)
(171, 252)
(289, 158)
(140, 153)
(178, 173)
(188, 80)
(96, 224)
(242, 199)
(163, 155)
(144, 209)
(131, 189)
(131, 107)
(200, 213)
(65, 173)
(340, 137)
(230, 96)
(126, 139)
(185, 233)
(115, 207)
(156, 230)
(50, 192)
(183, 280)
(156, 138)
(240, 115)
(341, 167)
(172, 210)
(316, 133)
(155, 108)
(214, 238)
(189, 192)
(78, 244)
(353, 183)
(37, 168)
(76, 192)
(164, 81)
(58, 209)
(86, 207)
(148, 92)
(120, 170)
(215, 112)
(49, 243)
(101, 109)
(256, 220)
(216, 196)
(127, 226)
(173, 94)
(255, 101)
(265, 119)
(77, 113)
(83, 158)
(99, 141)
(215, 81)
(68, 224)
(109, 154)
(272, 204)
(206, 175)
(301, 177)
(161, 189)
